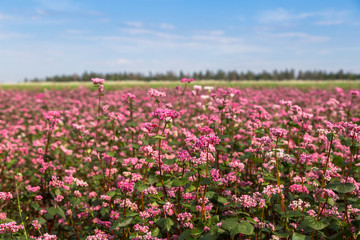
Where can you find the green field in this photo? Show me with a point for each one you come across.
(112, 85)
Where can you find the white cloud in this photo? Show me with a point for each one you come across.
(302, 36)
(122, 61)
(133, 24)
(75, 31)
(6, 36)
(217, 39)
(281, 15)
(166, 26)
(325, 17)
(143, 31)
(329, 22)
(4, 16)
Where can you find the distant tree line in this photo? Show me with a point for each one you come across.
(206, 75)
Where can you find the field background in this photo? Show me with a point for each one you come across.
(114, 85)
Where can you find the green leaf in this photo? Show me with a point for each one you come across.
(298, 236)
(209, 194)
(155, 232)
(104, 211)
(317, 225)
(98, 177)
(245, 228)
(110, 154)
(210, 236)
(221, 148)
(301, 150)
(330, 136)
(111, 194)
(75, 201)
(341, 187)
(345, 141)
(282, 234)
(57, 192)
(291, 214)
(197, 231)
(235, 227)
(185, 234)
(35, 206)
(158, 137)
(180, 182)
(135, 146)
(168, 223)
(229, 223)
(121, 223)
(222, 200)
(295, 125)
(205, 181)
(140, 187)
(61, 212)
(51, 211)
(165, 223)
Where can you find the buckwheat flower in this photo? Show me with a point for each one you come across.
(271, 189)
(155, 93)
(69, 212)
(299, 205)
(105, 197)
(126, 186)
(188, 80)
(128, 97)
(114, 215)
(204, 97)
(148, 150)
(10, 227)
(312, 213)
(184, 217)
(42, 211)
(355, 93)
(150, 126)
(247, 201)
(239, 166)
(97, 80)
(99, 235)
(80, 183)
(6, 195)
(92, 195)
(209, 88)
(2, 216)
(59, 198)
(277, 133)
(168, 208)
(197, 87)
(101, 88)
(36, 224)
(78, 127)
(165, 114)
(184, 156)
(215, 174)
(38, 198)
(150, 190)
(298, 189)
(141, 228)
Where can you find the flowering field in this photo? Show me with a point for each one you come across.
(189, 162)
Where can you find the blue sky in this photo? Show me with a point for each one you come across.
(41, 38)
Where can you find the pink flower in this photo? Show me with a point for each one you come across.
(155, 93)
(97, 80)
(126, 186)
(188, 80)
